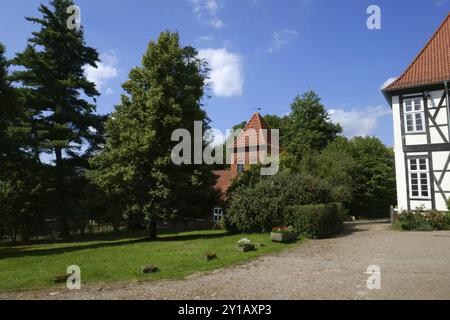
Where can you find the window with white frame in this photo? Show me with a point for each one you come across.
(218, 214)
(419, 178)
(414, 115)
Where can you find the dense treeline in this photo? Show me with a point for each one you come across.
(61, 161)
(359, 172)
(63, 164)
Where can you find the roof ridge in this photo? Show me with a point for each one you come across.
(441, 26)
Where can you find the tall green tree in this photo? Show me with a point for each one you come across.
(335, 165)
(373, 175)
(20, 211)
(9, 106)
(56, 93)
(163, 95)
(309, 126)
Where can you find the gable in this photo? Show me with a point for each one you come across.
(432, 65)
(253, 133)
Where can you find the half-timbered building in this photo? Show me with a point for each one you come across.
(420, 106)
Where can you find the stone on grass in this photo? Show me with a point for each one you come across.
(149, 269)
(61, 278)
(246, 247)
(210, 256)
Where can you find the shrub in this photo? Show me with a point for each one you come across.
(437, 220)
(316, 221)
(410, 220)
(422, 220)
(263, 206)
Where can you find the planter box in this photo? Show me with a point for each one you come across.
(246, 248)
(284, 237)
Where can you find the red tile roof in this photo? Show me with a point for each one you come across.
(257, 124)
(224, 180)
(432, 65)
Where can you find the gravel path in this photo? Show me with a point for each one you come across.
(413, 265)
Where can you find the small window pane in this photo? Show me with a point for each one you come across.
(418, 104)
(423, 164)
(408, 106)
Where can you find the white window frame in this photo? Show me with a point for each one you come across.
(419, 172)
(414, 113)
(218, 215)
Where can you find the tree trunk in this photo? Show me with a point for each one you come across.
(153, 228)
(64, 224)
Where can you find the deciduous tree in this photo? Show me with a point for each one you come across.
(162, 95)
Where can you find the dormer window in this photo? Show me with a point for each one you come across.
(414, 115)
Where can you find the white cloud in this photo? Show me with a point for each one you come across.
(109, 91)
(281, 39)
(359, 122)
(106, 70)
(207, 38)
(226, 71)
(388, 82)
(207, 11)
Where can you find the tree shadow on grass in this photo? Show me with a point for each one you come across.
(14, 252)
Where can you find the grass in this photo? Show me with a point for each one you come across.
(110, 258)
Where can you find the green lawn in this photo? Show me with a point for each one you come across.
(116, 258)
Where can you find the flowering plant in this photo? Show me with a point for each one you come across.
(244, 242)
(283, 229)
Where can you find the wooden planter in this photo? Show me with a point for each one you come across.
(284, 237)
(246, 248)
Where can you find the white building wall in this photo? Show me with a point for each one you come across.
(439, 158)
(400, 168)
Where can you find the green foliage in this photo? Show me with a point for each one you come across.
(21, 198)
(422, 220)
(316, 221)
(309, 126)
(60, 120)
(334, 164)
(360, 171)
(263, 206)
(162, 95)
(374, 185)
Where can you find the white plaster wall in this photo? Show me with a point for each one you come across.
(399, 157)
(421, 203)
(416, 139)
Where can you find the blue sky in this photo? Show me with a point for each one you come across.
(262, 52)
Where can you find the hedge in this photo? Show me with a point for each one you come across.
(263, 206)
(423, 220)
(316, 221)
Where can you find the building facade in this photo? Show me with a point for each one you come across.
(421, 111)
(251, 145)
